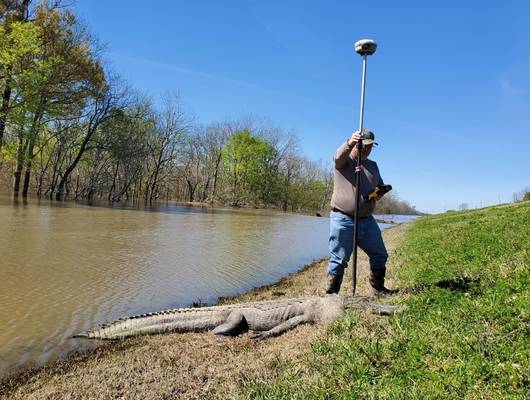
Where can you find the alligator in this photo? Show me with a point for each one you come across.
(263, 319)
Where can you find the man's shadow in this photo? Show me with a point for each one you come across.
(460, 285)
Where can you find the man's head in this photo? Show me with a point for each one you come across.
(368, 142)
(368, 137)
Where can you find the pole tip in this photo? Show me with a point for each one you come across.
(365, 47)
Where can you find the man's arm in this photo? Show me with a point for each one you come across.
(343, 152)
(379, 183)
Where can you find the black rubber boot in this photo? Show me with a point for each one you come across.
(334, 282)
(377, 281)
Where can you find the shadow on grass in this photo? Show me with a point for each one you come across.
(460, 285)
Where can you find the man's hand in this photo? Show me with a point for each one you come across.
(376, 199)
(355, 137)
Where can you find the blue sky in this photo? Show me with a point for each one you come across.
(448, 90)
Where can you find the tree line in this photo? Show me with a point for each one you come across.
(72, 129)
(522, 195)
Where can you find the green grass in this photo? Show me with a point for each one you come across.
(465, 333)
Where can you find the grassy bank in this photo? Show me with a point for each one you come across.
(465, 334)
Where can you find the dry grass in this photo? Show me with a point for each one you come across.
(188, 366)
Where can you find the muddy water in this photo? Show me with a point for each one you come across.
(64, 269)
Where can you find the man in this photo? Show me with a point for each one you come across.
(342, 217)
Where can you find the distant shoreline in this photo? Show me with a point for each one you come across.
(141, 205)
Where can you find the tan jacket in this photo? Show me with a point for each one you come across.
(344, 192)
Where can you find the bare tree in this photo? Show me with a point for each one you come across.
(99, 108)
(522, 195)
(165, 143)
(463, 206)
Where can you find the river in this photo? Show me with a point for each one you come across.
(67, 267)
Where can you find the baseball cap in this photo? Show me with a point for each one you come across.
(368, 137)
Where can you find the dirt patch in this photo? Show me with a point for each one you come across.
(193, 365)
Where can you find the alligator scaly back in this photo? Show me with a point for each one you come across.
(264, 318)
(174, 320)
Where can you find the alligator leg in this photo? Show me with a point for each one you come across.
(376, 308)
(234, 325)
(283, 327)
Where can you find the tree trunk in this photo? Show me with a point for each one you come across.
(29, 155)
(27, 177)
(191, 189)
(157, 171)
(22, 145)
(217, 163)
(39, 185)
(6, 96)
(110, 196)
(76, 192)
(205, 189)
(59, 195)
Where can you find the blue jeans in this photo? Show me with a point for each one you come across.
(341, 242)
